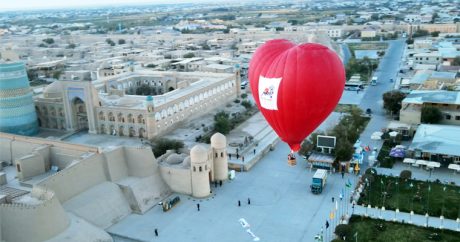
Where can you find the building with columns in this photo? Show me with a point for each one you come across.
(104, 107)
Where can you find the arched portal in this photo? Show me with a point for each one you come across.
(80, 115)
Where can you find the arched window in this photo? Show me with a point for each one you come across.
(216, 155)
(194, 169)
(221, 154)
(200, 169)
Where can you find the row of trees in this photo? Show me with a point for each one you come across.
(346, 133)
(363, 67)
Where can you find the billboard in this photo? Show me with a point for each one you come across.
(323, 141)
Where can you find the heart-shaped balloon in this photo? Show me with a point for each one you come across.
(295, 86)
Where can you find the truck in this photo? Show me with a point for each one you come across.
(318, 181)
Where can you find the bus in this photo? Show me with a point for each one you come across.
(353, 86)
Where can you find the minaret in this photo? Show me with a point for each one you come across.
(219, 156)
(200, 172)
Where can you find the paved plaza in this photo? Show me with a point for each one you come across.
(282, 207)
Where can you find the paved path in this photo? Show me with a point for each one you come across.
(416, 219)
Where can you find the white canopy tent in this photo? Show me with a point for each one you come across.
(454, 167)
(408, 161)
(433, 164)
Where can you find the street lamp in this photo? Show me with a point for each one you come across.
(397, 199)
(411, 202)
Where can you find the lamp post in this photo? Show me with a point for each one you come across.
(442, 210)
(427, 215)
(411, 202)
(397, 199)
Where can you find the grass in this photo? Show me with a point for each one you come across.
(368, 230)
(368, 46)
(418, 198)
(344, 108)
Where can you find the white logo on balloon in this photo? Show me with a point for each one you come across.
(268, 92)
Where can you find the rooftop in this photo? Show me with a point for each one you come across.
(437, 139)
(445, 97)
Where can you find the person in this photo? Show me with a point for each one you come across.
(242, 158)
(249, 201)
(229, 156)
(254, 151)
(237, 156)
(343, 173)
(239, 203)
(220, 183)
(198, 206)
(332, 199)
(156, 232)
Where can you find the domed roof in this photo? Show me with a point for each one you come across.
(198, 154)
(53, 90)
(175, 159)
(186, 162)
(149, 98)
(218, 140)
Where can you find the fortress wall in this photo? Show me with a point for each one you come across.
(63, 157)
(33, 222)
(179, 180)
(45, 151)
(141, 161)
(30, 166)
(77, 179)
(116, 164)
(21, 148)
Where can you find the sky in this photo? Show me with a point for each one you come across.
(48, 4)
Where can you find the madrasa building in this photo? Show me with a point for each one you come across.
(103, 107)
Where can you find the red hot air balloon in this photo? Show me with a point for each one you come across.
(295, 86)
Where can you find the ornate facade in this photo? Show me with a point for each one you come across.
(103, 107)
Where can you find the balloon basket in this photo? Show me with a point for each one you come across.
(292, 162)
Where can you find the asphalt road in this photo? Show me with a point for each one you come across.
(388, 69)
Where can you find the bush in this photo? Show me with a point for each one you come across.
(431, 115)
(405, 174)
(121, 41)
(246, 104)
(244, 95)
(160, 146)
(222, 123)
(343, 230)
(189, 55)
(237, 101)
(48, 40)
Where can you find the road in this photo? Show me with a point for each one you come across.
(388, 69)
(346, 53)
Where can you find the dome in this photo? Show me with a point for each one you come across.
(175, 159)
(198, 154)
(149, 98)
(53, 90)
(186, 162)
(219, 141)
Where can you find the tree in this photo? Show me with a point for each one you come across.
(189, 55)
(162, 145)
(293, 21)
(431, 115)
(343, 150)
(456, 61)
(409, 41)
(343, 230)
(48, 41)
(222, 123)
(205, 47)
(121, 41)
(110, 42)
(246, 104)
(405, 174)
(71, 46)
(143, 89)
(420, 33)
(392, 101)
(375, 16)
(244, 95)
(435, 34)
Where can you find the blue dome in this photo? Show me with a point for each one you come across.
(149, 98)
(17, 109)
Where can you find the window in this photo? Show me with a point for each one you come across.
(221, 154)
(448, 116)
(216, 155)
(194, 169)
(457, 117)
(200, 169)
(18, 167)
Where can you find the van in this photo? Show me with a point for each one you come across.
(374, 81)
(244, 84)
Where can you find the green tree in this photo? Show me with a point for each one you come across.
(431, 115)
(435, 34)
(246, 104)
(160, 146)
(375, 16)
(343, 150)
(405, 174)
(110, 41)
(343, 230)
(48, 41)
(456, 61)
(222, 123)
(189, 55)
(409, 41)
(205, 47)
(71, 46)
(392, 101)
(121, 41)
(293, 21)
(420, 33)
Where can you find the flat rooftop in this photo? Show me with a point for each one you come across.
(425, 96)
(437, 139)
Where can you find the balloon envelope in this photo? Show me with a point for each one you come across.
(295, 86)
